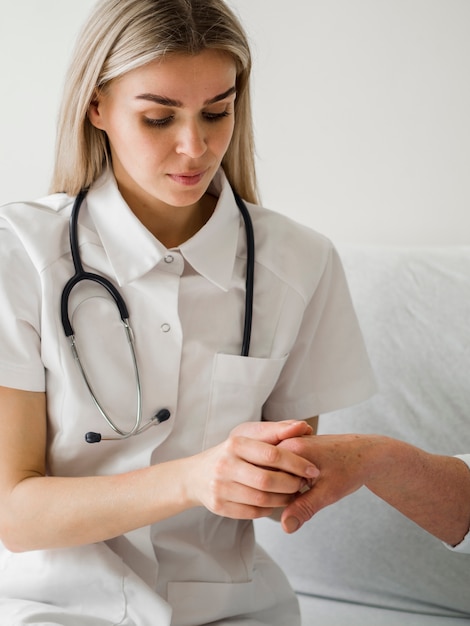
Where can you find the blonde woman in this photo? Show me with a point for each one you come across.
(143, 391)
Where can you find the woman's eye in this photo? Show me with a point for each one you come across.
(158, 122)
(161, 122)
(214, 117)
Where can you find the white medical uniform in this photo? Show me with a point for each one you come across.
(186, 309)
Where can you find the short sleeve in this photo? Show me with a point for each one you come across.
(20, 355)
(328, 367)
(464, 546)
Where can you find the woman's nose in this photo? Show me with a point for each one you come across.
(191, 140)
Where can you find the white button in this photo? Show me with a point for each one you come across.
(169, 258)
(165, 328)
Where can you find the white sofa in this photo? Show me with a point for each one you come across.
(359, 562)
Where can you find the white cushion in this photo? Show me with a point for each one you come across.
(323, 612)
(414, 309)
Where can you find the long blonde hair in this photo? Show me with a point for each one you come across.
(121, 35)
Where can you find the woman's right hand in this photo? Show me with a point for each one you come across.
(248, 476)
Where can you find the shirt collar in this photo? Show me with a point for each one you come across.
(130, 248)
(211, 251)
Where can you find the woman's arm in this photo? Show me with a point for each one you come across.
(244, 477)
(432, 490)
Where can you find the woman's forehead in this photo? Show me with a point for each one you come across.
(182, 77)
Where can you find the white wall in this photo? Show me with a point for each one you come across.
(361, 110)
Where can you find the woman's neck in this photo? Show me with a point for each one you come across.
(172, 226)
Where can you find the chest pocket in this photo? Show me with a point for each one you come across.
(239, 388)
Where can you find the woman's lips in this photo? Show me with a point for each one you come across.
(187, 178)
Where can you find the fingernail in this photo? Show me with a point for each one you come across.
(292, 524)
(312, 471)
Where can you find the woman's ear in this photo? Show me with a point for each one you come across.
(95, 111)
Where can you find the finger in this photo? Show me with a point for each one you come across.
(304, 446)
(304, 507)
(237, 510)
(269, 482)
(273, 432)
(265, 455)
(237, 493)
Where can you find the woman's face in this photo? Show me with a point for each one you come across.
(169, 124)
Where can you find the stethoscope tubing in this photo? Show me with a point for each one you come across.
(80, 275)
(250, 275)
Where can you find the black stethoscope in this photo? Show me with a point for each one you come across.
(80, 275)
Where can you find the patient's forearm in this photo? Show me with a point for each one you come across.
(432, 490)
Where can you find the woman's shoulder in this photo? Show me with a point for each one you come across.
(292, 250)
(53, 204)
(275, 222)
(38, 227)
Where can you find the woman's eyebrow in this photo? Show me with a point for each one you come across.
(221, 96)
(169, 102)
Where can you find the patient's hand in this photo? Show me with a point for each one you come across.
(343, 464)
